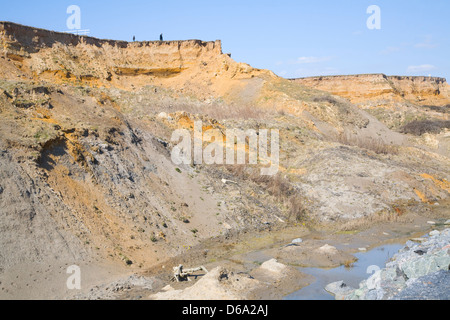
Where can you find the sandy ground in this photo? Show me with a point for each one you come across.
(242, 256)
(49, 280)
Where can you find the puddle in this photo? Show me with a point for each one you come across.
(351, 276)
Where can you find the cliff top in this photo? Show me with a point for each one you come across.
(24, 34)
(376, 75)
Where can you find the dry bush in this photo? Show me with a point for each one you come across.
(442, 109)
(419, 127)
(325, 98)
(376, 145)
(277, 186)
(342, 105)
(236, 170)
(368, 221)
(297, 209)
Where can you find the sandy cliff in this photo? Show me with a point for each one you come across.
(65, 58)
(379, 88)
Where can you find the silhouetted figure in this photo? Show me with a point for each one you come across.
(134, 38)
(161, 37)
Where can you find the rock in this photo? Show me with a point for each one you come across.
(362, 249)
(225, 181)
(425, 264)
(141, 281)
(167, 288)
(434, 233)
(359, 293)
(418, 239)
(162, 142)
(410, 244)
(447, 222)
(273, 266)
(162, 115)
(431, 222)
(420, 252)
(218, 284)
(104, 146)
(435, 286)
(298, 240)
(372, 295)
(417, 271)
(328, 249)
(227, 226)
(339, 289)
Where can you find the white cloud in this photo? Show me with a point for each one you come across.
(389, 50)
(421, 68)
(302, 60)
(427, 43)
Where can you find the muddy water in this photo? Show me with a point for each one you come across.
(246, 252)
(367, 263)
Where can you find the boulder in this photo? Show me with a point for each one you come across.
(339, 289)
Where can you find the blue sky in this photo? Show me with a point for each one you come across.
(292, 38)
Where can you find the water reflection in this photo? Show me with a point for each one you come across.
(351, 276)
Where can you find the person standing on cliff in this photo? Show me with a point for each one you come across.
(161, 37)
(134, 38)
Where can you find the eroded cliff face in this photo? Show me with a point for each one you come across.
(31, 46)
(65, 58)
(382, 89)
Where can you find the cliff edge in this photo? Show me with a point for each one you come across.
(186, 65)
(380, 88)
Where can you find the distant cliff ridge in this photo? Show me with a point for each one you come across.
(380, 87)
(375, 76)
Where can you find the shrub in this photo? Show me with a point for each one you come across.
(442, 109)
(297, 210)
(325, 98)
(419, 127)
(277, 186)
(376, 145)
